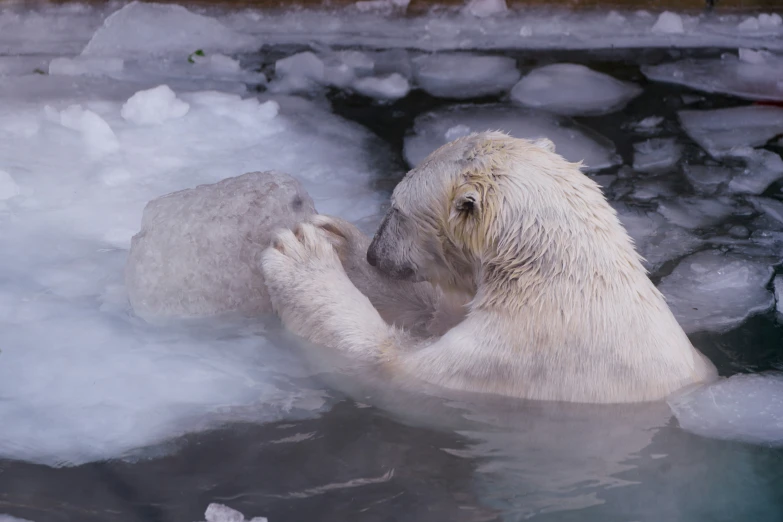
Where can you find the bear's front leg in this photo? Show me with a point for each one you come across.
(314, 298)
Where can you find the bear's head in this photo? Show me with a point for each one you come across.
(489, 205)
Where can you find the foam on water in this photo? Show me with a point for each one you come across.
(433, 129)
(713, 291)
(573, 90)
(748, 408)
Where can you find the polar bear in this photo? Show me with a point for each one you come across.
(499, 268)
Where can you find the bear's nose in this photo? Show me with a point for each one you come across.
(372, 258)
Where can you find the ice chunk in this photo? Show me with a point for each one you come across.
(154, 106)
(221, 513)
(744, 407)
(85, 65)
(712, 291)
(693, 213)
(98, 136)
(720, 130)
(656, 240)
(485, 8)
(656, 155)
(752, 75)
(708, 179)
(9, 518)
(573, 142)
(762, 168)
(464, 75)
(778, 286)
(198, 251)
(144, 28)
(573, 90)
(299, 72)
(8, 187)
(668, 23)
(770, 207)
(391, 87)
(648, 124)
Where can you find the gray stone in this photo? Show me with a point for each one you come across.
(198, 251)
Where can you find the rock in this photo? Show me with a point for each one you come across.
(198, 251)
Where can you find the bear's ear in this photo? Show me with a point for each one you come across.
(467, 201)
(544, 143)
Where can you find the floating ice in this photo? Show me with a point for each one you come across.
(154, 106)
(299, 72)
(668, 23)
(720, 130)
(778, 286)
(87, 65)
(81, 378)
(656, 240)
(762, 168)
(752, 75)
(770, 207)
(712, 291)
(221, 513)
(485, 8)
(9, 518)
(391, 87)
(573, 90)
(648, 124)
(745, 407)
(98, 137)
(8, 187)
(693, 213)
(708, 179)
(762, 21)
(198, 252)
(464, 75)
(656, 155)
(575, 143)
(144, 28)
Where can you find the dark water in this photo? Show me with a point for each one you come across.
(403, 458)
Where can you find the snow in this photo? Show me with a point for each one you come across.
(464, 75)
(573, 90)
(221, 513)
(744, 407)
(391, 87)
(433, 129)
(82, 377)
(713, 291)
(198, 252)
(668, 23)
(719, 131)
(751, 74)
(154, 106)
(299, 72)
(143, 28)
(656, 155)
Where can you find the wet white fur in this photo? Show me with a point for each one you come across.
(557, 306)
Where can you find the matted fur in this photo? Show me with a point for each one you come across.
(536, 288)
